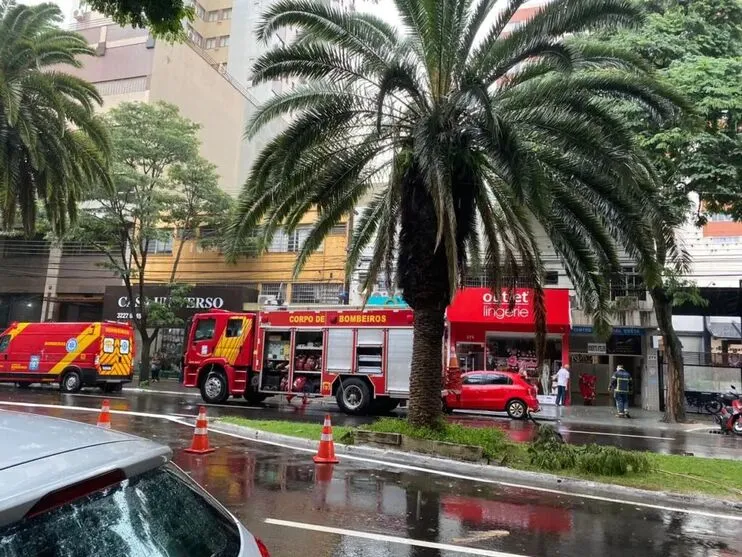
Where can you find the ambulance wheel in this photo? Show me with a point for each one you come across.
(353, 396)
(214, 389)
(112, 387)
(71, 382)
(23, 385)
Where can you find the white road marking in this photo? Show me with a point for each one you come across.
(159, 392)
(171, 418)
(174, 419)
(708, 427)
(390, 539)
(616, 434)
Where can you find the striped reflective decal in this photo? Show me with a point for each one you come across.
(229, 347)
(120, 363)
(84, 340)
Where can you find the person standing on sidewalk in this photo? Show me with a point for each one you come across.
(621, 387)
(562, 377)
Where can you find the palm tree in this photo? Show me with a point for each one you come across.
(466, 132)
(51, 143)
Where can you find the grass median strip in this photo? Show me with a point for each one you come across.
(294, 429)
(610, 465)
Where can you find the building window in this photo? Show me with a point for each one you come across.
(162, 245)
(313, 293)
(79, 249)
(275, 289)
(551, 278)
(23, 247)
(289, 242)
(193, 36)
(226, 14)
(720, 217)
(338, 229)
(224, 41)
(213, 16)
(630, 283)
(210, 43)
(200, 12)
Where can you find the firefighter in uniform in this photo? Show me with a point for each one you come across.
(621, 387)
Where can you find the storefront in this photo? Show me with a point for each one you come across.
(599, 357)
(491, 332)
(200, 298)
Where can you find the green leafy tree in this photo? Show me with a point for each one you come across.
(52, 145)
(199, 205)
(160, 186)
(463, 132)
(696, 46)
(163, 17)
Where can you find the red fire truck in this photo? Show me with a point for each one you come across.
(362, 357)
(73, 354)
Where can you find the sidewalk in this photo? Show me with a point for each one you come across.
(595, 416)
(606, 416)
(164, 386)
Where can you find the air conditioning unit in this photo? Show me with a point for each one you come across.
(267, 300)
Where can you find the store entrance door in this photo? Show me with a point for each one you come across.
(470, 355)
(632, 364)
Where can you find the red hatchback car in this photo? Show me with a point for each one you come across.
(497, 391)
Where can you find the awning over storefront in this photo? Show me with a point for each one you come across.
(482, 307)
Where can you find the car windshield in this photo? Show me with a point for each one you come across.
(156, 514)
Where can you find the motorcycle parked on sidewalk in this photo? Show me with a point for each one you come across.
(727, 411)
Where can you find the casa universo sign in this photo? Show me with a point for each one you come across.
(118, 306)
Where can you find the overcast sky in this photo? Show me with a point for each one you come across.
(67, 6)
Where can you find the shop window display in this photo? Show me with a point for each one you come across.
(519, 354)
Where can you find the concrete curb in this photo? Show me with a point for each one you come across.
(501, 474)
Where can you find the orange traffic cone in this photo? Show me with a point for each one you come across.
(326, 452)
(104, 418)
(200, 443)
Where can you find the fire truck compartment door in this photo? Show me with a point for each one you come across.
(339, 350)
(398, 361)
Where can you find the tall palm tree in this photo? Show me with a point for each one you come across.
(466, 132)
(51, 143)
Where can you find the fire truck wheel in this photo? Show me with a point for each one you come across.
(517, 409)
(23, 385)
(353, 396)
(214, 388)
(384, 405)
(71, 382)
(255, 398)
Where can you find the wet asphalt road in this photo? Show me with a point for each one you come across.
(698, 443)
(262, 483)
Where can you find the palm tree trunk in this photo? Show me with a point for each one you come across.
(423, 276)
(426, 374)
(673, 354)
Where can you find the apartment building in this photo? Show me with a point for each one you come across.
(45, 282)
(225, 30)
